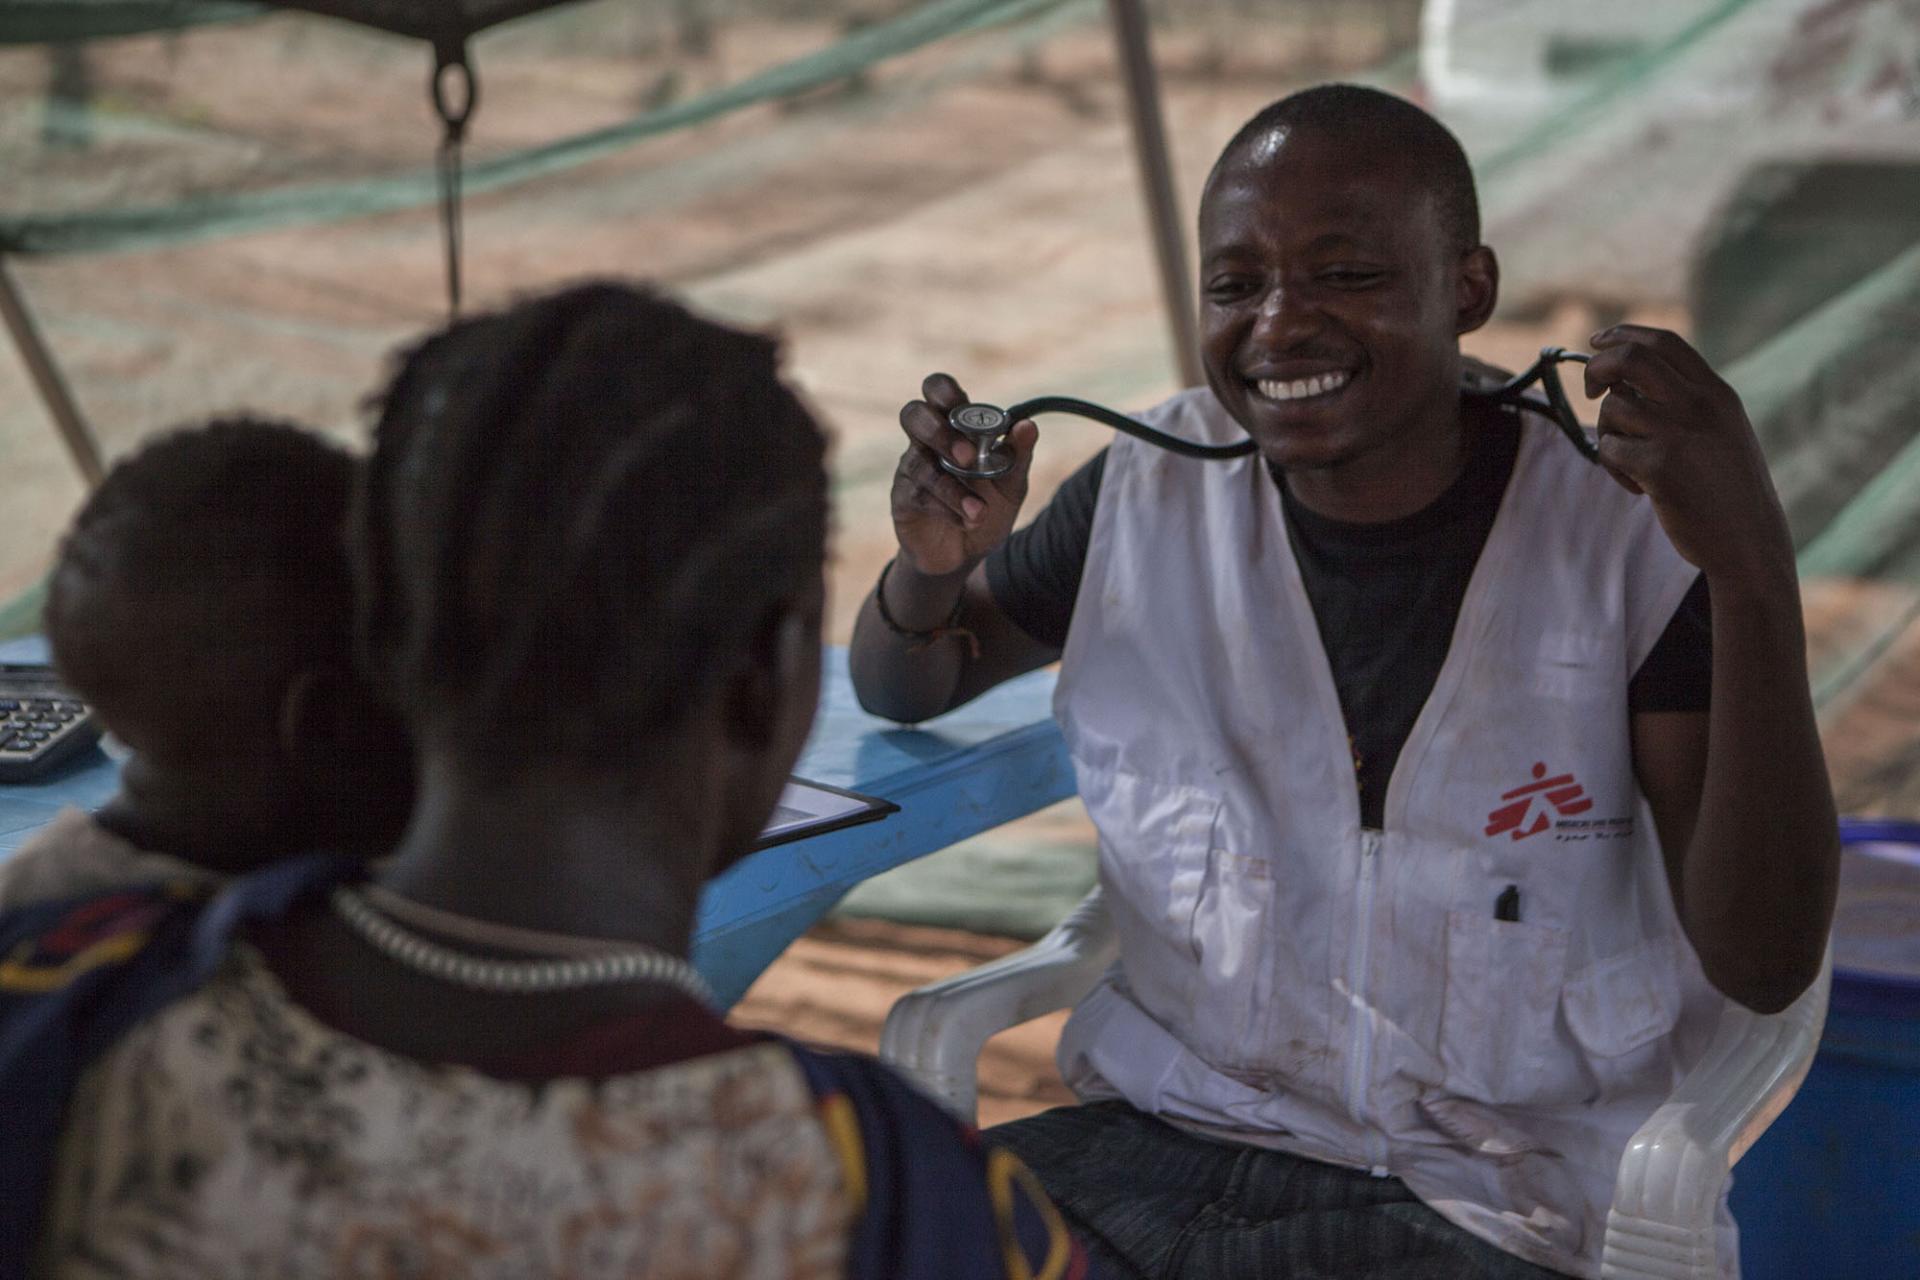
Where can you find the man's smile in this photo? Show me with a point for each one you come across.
(1311, 387)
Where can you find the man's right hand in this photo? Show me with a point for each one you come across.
(947, 525)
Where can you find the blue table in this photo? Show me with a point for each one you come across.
(999, 758)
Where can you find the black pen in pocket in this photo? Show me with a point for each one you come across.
(1507, 905)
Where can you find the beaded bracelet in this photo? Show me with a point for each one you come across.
(951, 627)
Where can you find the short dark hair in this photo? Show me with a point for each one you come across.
(1378, 121)
(206, 571)
(577, 511)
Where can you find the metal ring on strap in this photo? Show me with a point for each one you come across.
(450, 57)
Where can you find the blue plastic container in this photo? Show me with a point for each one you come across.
(1832, 1190)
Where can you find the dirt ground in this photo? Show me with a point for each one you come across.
(835, 985)
(973, 210)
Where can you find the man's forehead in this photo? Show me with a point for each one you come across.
(1315, 192)
(1263, 147)
(1355, 205)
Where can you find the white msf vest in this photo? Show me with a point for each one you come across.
(1290, 979)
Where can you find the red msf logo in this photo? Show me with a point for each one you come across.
(1525, 814)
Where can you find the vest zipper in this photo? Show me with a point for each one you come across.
(1360, 1053)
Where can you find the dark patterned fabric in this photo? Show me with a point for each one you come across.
(1152, 1202)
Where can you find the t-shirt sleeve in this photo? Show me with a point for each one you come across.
(1678, 672)
(1035, 574)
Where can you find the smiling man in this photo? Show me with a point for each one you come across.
(1447, 784)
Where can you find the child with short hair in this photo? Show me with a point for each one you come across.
(202, 604)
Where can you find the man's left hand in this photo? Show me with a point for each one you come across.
(1672, 429)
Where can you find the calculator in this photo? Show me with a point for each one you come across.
(41, 722)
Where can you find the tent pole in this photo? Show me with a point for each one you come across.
(1156, 183)
(48, 381)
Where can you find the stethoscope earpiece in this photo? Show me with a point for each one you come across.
(1546, 372)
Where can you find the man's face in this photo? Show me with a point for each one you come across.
(1331, 300)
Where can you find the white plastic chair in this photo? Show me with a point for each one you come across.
(1675, 1169)
(934, 1035)
(1672, 1176)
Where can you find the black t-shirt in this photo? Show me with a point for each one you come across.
(1385, 597)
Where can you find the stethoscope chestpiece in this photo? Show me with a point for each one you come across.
(986, 427)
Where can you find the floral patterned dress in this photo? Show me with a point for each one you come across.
(233, 1135)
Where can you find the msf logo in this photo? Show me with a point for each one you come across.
(1523, 811)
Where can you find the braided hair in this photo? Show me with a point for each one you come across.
(579, 511)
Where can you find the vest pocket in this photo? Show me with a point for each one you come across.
(1201, 945)
(1504, 979)
(1620, 1007)
(1233, 936)
(1153, 858)
(1575, 666)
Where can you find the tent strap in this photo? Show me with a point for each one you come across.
(1156, 184)
(455, 107)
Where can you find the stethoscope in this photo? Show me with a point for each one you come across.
(986, 425)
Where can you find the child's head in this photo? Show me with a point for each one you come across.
(591, 543)
(203, 604)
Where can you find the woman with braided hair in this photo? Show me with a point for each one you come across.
(589, 549)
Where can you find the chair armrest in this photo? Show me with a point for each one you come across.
(1675, 1169)
(934, 1035)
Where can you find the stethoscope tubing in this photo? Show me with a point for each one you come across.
(1543, 371)
(1122, 423)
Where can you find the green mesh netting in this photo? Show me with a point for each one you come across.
(1811, 228)
(1610, 193)
(1834, 399)
(213, 215)
(678, 141)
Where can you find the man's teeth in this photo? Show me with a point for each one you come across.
(1300, 388)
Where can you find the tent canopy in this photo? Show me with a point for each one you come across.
(51, 21)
